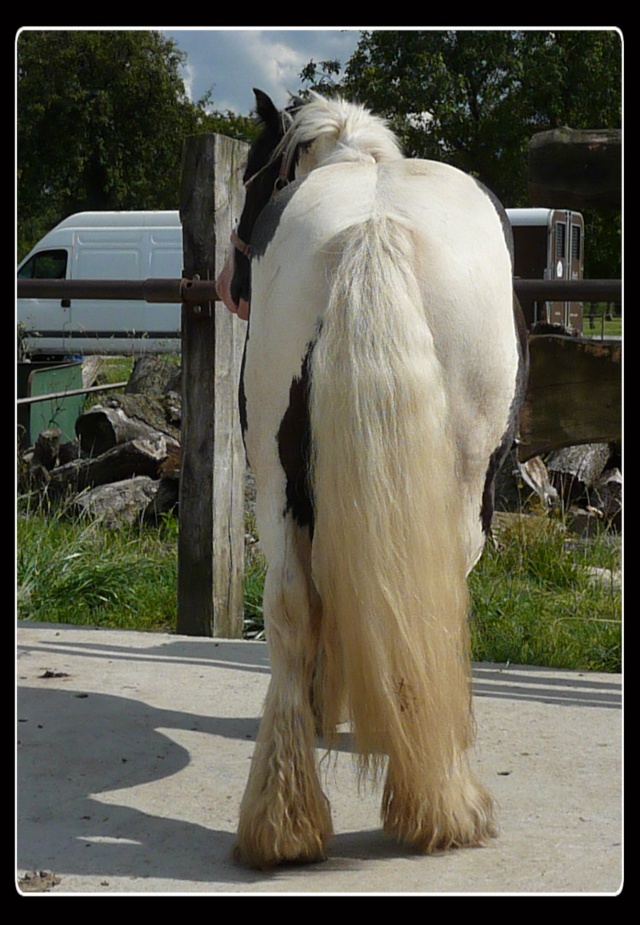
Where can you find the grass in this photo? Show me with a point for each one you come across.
(603, 323)
(77, 571)
(533, 598)
(255, 571)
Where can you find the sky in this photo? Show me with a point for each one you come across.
(230, 62)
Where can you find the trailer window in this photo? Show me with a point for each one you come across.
(561, 238)
(45, 265)
(575, 242)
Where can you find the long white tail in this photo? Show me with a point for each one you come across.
(388, 560)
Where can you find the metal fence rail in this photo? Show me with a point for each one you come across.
(32, 399)
(198, 292)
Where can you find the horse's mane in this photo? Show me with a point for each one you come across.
(333, 130)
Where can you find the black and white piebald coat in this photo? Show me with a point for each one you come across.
(384, 369)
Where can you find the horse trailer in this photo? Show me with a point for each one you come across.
(549, 244)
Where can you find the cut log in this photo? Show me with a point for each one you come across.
(91, 368)
(164, 501)
(161, 412)
(128, 418)
(154, 375)
(47, 448)
(118, 503)
(576, 469)
(136, 457)
(609, 492)
(534, 473)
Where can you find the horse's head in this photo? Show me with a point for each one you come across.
(262, 178)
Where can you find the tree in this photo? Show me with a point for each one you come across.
(102, 117)
(474, 98)
(242, 128)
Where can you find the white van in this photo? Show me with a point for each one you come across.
(103, 245)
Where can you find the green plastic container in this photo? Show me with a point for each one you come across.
(45, 378)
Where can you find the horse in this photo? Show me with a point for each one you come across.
(384, 368)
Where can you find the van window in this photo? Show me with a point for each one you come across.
(45, 265)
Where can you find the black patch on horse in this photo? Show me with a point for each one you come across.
(242, 398)
(267, 222)
(294, 448)
(262, 178)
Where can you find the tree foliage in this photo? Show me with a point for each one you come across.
(474, 98)
(102, 117)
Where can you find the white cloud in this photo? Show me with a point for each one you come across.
(278, 64)
(233, 61)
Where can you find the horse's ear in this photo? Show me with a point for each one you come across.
(265, 109)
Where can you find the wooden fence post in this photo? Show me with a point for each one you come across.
(211, 538)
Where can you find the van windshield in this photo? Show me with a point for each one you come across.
(45, 265)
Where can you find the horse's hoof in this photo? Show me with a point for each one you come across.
(269, 861)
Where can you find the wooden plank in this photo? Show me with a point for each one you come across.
(211, 538)
(576, 168)
(574, 395)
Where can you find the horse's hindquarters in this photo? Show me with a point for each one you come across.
(380, 378)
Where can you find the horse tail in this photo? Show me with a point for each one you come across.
(388, 556)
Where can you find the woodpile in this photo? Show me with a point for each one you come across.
(124, 464)
(588, 480)
(583, 482)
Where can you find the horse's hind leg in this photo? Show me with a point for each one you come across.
(284, 814)
(455, 813)
(432, 799)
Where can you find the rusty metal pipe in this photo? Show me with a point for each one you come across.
(580, 290)
(149, 290)
(197, 292)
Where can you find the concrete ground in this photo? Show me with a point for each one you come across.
(134, 748)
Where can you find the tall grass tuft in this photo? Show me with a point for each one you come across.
(75, 570)
(542, 598)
